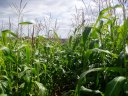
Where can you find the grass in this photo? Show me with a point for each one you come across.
(93, 63)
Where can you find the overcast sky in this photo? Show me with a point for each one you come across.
(62, 10)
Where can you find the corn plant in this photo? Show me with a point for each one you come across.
(92, 62)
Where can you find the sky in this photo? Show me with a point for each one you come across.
(61, 10)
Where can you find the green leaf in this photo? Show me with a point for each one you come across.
(70, 41)
(126, 87)
(115, 86)
(105, 11)
(28, 52)
(9, 32)
(3, 94)
(5, 34)
(42, 89)
(93, 43)
(85, 90)
(24, 72)
(21, 47)
(101, 16)
(104, 51)
(85, 34)
(25, 23)
(45, 69)
(5, 50)
(83, 75)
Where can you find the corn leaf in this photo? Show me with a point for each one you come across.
(3, 95)
(42, 89)
(115, 86)
(25, 23)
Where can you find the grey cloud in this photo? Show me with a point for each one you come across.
(60, 9)
(4, 3)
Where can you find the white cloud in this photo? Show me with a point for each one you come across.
(62, 10)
